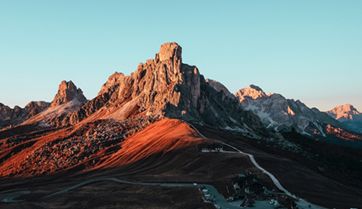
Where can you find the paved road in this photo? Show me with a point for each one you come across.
(301, 203)
(209, 192)
(215, 197)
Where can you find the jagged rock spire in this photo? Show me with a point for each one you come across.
(67, 92)
(169, 51)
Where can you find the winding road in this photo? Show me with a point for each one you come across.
(301, 203)
(209, 195)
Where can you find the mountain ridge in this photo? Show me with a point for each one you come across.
(164, 86)
(14, 116)
(166, 122)
(349, 116)
(282, 114)
(68, 99)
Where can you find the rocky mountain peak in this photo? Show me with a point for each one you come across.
(169, 51)
(252, 91)
(166, 87)
(349, 108)
(279, 113)
(346, 111)
(67, 91)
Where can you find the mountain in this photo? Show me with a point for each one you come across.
(68, 92)
(68, 99)
(166, 87)
(344, 112)
(163, 87)
(349, 116)
(167, 137)
(14, 116)
(281, 114)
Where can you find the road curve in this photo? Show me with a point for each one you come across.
(301, 203)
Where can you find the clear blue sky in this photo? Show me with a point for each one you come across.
(307, 50)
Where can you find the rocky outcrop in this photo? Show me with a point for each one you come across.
(281, 114)
(166, 87)
(170, 51)
(6, 115)
(67, 92)
(33, 108)
(349, 116)
(68, 99)
(344, 112)
(14, 116)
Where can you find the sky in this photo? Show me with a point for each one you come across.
(309, 50)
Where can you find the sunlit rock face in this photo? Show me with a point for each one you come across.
(343, 134)
(67, 92)
(169, 51)
(160, 87)
(68, 99)
(281, 114)
(252, 91)
(166, 87)
(344, 112)
(349, 116)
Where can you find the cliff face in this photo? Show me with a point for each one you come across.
(164, 86)
(67, 92)
(67, 100)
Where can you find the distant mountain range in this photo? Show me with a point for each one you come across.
(281, 114)
(166, 87)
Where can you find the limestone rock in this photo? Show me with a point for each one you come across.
(282, 114)
(67, 92)
(349, 116)
(166, 87)
(68, 99)
(344, 112)
(170, 51)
